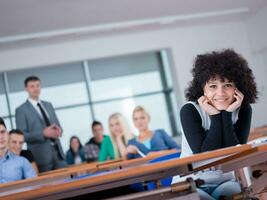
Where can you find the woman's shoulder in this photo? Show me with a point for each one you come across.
(246, 108)
(245, 111)
(68, 152)
(189, 107)
(132, 140)
(130, 136)
(159, 132)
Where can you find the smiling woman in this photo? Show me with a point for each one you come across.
(218, 111)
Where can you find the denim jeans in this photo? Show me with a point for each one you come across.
(213, 192)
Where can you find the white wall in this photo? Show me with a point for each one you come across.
(257, 32)
(184, 43)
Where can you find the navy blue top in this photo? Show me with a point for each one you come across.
(159, 141)
(70, 156)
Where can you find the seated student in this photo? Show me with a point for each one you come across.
(218, 111)
(16, 141)
(99, 147)
(75, 154)
(12, 166)
(148, 141)
(120, 134)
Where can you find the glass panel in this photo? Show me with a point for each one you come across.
(159, 114)
(50, 75)
(61, 95)
(3, 102)
(3, 106)
(16, 99)
(75, 121)
(125, 86)
(123, 65)
(176, 113)
(2, 89)
(64, 95)
(167, 67)
(7, 123)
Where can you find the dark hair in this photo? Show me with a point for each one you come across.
(225, 64)
(2, 122)
(30, 78)
(80, 145)
(16, 131)
(95, 123)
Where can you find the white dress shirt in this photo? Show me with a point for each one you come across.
(34, 104)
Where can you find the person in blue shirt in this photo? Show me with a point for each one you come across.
(147, 141)
(12, 166)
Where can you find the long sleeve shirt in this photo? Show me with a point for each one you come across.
(159, 141)
(223, 132)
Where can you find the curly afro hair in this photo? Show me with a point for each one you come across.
(225, 64)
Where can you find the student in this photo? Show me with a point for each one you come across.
(16, 141)
(12, 166)
(148, 141)
(75, 154)
(120, 134)
(99, 147)
(218, 111)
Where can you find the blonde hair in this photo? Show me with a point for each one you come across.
(125, 131)
(140, 109)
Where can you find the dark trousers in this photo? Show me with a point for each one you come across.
(56, 163)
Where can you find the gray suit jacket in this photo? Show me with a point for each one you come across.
(31, 123)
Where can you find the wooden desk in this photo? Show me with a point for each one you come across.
(75, 170)
(254, 156)
(117, 177)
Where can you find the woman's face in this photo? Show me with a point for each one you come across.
(220, 94)
(74, 144)
(141, 121)
(115, 126)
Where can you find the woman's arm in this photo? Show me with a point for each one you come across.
(169, 141)
(237, 133)
(198, 139)
(121, 147)
(69, 158)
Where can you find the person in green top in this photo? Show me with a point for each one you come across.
(99, 148)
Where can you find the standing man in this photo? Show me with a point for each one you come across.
(38, 121)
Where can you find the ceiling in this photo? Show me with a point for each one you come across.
(22, 20)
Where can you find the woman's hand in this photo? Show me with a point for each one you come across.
(206, 106)
(131, 149)
(237, 103)
(118, 136)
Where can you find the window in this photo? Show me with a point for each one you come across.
(124, 76)
(83, 91)
(63, 85)
(75, 121)
(3, 102)
(159, 115)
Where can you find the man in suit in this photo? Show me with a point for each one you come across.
(38, 121)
